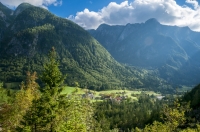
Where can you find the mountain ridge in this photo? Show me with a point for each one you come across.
(153, 45)
(34, 31)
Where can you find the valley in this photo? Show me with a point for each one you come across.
(170, 51)
(82, 58)
(56, 76)
(109, 94)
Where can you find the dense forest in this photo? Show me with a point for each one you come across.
(37, 108)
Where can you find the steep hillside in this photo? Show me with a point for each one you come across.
(6, 16)
(35, 30)
(171, 50)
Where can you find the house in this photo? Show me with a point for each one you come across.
(88, 95)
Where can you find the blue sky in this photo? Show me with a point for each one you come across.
(71, 7)
(91, 13)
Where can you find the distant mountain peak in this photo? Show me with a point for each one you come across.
(102, 26)
(152, 21)
(173, 50)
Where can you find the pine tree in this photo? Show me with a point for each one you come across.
(50, 107)
(52, 76)
(53, 111)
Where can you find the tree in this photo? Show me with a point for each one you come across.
(52, 76)
(53, 111)
(76, 115)
(12, 114)
(48, 112)
(4, 95)
(174, 116)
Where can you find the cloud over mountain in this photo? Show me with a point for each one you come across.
(167, 12)
(42, 3)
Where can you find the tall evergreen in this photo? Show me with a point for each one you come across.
(52, 76)
(47, 112)
(53, 111)
(51, 101)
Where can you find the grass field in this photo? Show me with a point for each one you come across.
(69, 90)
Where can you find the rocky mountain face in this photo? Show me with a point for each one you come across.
(32, 31)
(173, 51)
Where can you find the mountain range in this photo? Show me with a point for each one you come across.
(29, 32)
(172, 51)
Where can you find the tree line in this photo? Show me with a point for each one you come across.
(40, 108)
(35, 109)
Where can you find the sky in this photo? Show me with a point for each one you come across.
(91, 13)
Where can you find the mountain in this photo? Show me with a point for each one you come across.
(33, 31)
(6, 16)
(21, 8)
(171, 50)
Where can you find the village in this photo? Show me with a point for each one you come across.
(117, 97)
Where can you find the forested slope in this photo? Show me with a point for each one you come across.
(33, 31)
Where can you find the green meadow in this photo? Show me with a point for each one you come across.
(127, 93)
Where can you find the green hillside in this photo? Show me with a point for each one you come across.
(35, 30)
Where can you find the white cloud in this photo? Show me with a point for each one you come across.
(41, 3)
(165, 11)
(193, 2)
(88, 18)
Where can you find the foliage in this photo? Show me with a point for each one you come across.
(173, 119)
(6, 95)
(79, 114)
(47, 111)
(127, 115)
(53, 111)
(12, 114)
(193, 97)
(52, 76)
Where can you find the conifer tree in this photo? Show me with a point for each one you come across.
(52, 76)
(53, 111)
(50, 107)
